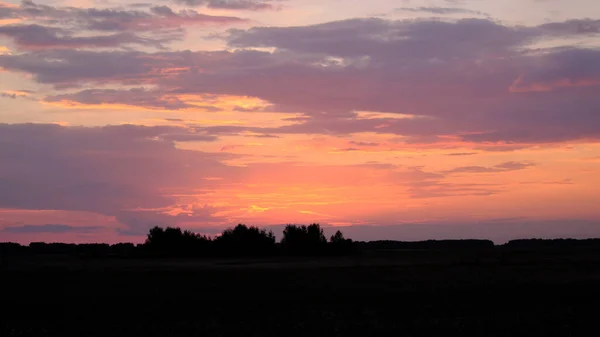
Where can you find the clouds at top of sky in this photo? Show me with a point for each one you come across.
(61, 27)
(432, 69)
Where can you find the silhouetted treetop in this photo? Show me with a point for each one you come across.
(339, 245)
(303, 240)
(338, 237)
(175, 242)
(243, 240)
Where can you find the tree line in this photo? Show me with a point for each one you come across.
(246, 241)
(240, 241)
(250, 241)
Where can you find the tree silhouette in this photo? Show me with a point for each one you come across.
(172, 241)
(246, 241)
(336, 238)
(123, 250)
(339, 245)
(303, 240)
(240, 241)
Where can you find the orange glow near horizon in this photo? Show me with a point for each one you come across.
(317, 179)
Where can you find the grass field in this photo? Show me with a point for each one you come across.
(402, 294)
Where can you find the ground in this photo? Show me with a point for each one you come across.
(405, 294)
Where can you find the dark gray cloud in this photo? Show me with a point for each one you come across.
(52, 228)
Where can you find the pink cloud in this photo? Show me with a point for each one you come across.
(60, 27)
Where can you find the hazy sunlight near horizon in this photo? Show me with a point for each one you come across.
(403, 120)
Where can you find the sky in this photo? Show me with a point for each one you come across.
(388, 119)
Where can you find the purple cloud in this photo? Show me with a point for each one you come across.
(136, 97)
(441, 189)
(441, 10)
(250, 5)
(40, 37)
(383, 39)
(500, 231)
(368, 144)
(504, 167)
(52, 228)
(584, 26)
(106, 170)
(59, 27)
(458, 154)
(472, 79)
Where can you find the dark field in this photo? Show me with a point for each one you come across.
(508, 293)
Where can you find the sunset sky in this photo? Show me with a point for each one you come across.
(392, 119)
